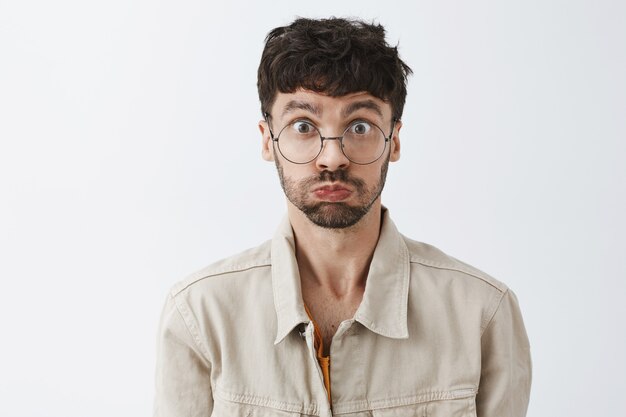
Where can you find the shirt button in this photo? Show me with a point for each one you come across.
(302, 330)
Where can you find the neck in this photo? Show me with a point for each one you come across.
(335, 259)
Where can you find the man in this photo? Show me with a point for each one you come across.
(339, 314)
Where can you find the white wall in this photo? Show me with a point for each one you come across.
(130, 157)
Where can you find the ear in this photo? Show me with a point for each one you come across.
(267, 146)
(395, 142)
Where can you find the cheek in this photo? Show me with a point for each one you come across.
(373, 173)
(296, 172)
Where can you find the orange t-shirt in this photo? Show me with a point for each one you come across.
(324, 361)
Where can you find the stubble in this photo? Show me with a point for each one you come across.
(332, 215)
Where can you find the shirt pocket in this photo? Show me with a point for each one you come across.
(459, 403)
(232, 409)
(413, 410)
(460, 407)
(229, 404)
(462, 404)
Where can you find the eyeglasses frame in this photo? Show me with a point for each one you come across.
(268, 116)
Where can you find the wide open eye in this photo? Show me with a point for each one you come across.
(360, 128)
(302, 127)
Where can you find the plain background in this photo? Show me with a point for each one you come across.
(130, 157)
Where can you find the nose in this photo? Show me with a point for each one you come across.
(331, 157)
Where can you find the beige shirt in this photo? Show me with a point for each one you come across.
(433, 337)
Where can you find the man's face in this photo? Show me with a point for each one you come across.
(331, 191)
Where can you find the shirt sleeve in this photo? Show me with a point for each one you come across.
(183, 385)
(506, 370)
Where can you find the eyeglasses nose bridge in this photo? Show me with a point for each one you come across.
(337, 138)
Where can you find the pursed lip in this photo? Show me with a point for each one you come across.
(332, 187)
(332, 192)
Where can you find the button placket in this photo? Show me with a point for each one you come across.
(310, 342)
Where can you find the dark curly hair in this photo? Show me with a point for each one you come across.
(332, 56)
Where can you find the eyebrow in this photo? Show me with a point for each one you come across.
(363, 104)
(301, 105)
(347, 111)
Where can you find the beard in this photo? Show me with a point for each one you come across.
(332, 215)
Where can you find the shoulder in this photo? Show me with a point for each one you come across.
(237, 266)
(442, 279)
(435, 259)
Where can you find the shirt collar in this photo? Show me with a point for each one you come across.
(286, 282)
(383, 309)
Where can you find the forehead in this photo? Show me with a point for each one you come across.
(321, 105)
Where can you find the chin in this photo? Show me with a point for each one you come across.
(334, 215)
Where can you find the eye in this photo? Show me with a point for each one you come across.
(303, 127)
(360, 128)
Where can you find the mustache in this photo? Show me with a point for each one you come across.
(340, 175)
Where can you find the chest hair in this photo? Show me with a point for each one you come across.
(328, 313)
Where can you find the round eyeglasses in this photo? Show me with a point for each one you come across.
(301, 142)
